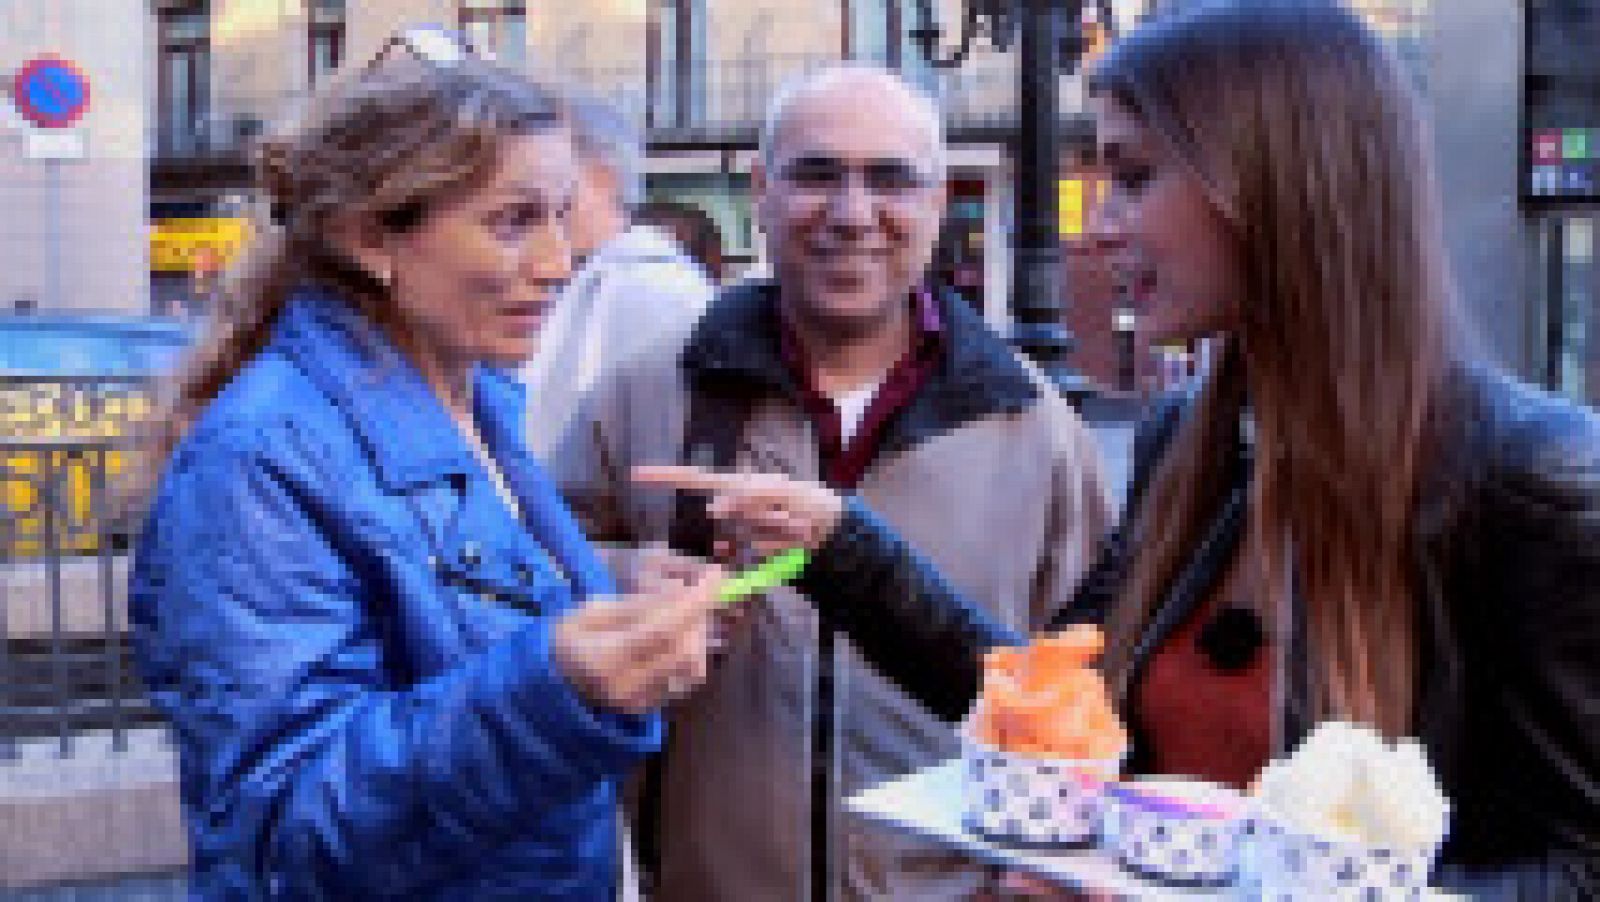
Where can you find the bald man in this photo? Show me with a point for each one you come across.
(843, 369)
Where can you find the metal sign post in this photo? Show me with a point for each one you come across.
(53, 294)
(52, 94)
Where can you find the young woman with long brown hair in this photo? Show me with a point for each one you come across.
(374, 626)
(1354, 518)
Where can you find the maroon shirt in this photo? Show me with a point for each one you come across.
(843, 464)
(1198, 720)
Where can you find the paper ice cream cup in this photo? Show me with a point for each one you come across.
(1179, 832)
(1033, 802)
(1283, 862)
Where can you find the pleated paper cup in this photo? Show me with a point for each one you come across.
(1032, 801)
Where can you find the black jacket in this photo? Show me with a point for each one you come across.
(1508, 561)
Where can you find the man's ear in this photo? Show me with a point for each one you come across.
(758, 176)
(365, 245)
(758, 189)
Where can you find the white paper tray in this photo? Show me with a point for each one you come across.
(928, 804)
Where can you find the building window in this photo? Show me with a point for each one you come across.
(497, 27)
(877, 30)
(183, 77)
(325, 44)
(677, 66)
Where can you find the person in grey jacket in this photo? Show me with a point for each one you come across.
(843, 368)
(635, 286)
(1354, 519)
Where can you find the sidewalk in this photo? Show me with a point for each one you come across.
(94, 815)
(158, 888)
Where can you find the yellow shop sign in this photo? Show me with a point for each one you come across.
(196, 244)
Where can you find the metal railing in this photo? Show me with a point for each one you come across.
(224, 128)
(726, 101)
(216, 136)
(55, 407)
(64, 657)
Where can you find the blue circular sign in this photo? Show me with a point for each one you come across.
(51, 92)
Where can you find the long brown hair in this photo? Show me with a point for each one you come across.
(388, 145)
(1307, 134)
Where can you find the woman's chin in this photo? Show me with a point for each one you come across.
(1158, 333)
(510, 353)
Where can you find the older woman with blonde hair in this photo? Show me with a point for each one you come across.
(1355, 518)
(380, 638)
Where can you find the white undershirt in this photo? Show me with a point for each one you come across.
(852, 408)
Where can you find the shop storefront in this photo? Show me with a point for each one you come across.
(1561, 188)
(1569, 302)
(725, 197)
(958, 261)
(192, 245)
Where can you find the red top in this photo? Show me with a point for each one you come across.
(1199, 721)
(842, 464)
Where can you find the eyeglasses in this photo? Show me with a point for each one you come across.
(432, 44)
(820, 177)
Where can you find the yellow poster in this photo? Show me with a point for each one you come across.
(1070, 203)
(196, 244)
(1075, 203)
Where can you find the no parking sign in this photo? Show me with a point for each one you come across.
(51, 92)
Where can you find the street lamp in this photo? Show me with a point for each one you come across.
(1052, 37)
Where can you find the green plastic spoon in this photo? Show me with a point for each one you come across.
(770, 574)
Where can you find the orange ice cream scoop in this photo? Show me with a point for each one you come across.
(1004, 662)
(1074, 646)
(1068, 649)
(1046, 699)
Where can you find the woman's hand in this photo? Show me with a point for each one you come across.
(766, 512)
(638, 652)
(657, 568)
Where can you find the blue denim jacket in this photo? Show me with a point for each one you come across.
(350, 633)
